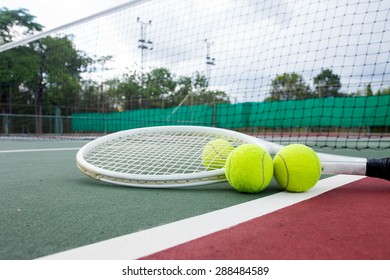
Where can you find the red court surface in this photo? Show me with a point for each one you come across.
(351, 222)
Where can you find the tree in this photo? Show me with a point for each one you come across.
(200, 83)
(327, 84)
(125, 91)
(61, 65)
(14, 64)
(159, 84)
(289, 86)
(385, 91)
(17, 66)
(195, 90)
(15, 24)
(369, 90)
(158, 89)
(203, 95)
(41, 74)
(56, 66)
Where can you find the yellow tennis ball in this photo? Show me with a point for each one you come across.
(249, 168)
(215, 153)
(297, 168)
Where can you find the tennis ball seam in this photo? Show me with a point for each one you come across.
(249, 168)
(319, 167)
(297, 159)
(287, 173)
(262, 169)
(227, 174)
(217, 152)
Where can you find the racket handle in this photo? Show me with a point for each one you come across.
(378, 167)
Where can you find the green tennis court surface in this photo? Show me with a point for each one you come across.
(47, 206)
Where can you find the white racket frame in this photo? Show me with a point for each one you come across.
(331, 164)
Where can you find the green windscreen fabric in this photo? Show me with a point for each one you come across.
(343, 112)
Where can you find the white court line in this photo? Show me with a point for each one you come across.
(146, 242)
(38, 150)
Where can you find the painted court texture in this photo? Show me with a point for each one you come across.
(351, 222)
(48, 209)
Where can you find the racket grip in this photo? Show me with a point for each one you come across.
(378, 167)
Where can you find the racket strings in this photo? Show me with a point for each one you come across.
(155, 153)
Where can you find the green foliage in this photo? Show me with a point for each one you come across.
(16, 23)
(289, 86)
(385, 91)
(158, 89)
(369, 90)
(62, 84)
(327, 84)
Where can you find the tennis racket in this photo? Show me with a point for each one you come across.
(170, 156)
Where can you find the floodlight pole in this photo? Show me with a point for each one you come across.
(210, 61)
(144, 45)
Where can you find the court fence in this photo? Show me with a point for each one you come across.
(369, 113)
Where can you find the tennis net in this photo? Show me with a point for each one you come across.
(315, 72)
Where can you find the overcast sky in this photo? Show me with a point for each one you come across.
(253, 40)
(53, 13)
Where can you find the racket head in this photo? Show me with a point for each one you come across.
(157, 157)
